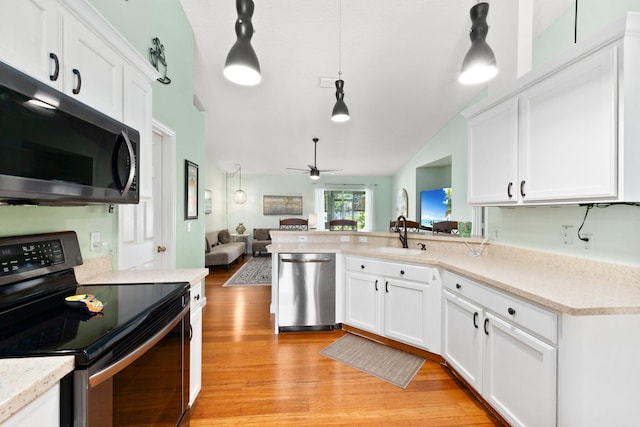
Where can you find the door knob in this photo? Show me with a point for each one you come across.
(161, 249)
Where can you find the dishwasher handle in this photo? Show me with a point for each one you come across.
(301, 261)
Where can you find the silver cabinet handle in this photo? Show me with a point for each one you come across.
(132, 164)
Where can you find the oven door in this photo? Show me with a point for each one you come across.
(149, 386)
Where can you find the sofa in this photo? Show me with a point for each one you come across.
(221, 250)
(261, 238)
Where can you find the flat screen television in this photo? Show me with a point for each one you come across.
(435, 206)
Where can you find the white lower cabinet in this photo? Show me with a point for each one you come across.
(195, 347)
(503, 347)
(44, 411)
(398, 301)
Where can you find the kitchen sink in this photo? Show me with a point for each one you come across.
(398, 251)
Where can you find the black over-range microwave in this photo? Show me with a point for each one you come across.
(55, 150)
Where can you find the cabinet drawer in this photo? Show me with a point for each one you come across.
(415, 273)
(541, 322)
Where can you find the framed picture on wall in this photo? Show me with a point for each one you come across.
(190, 190)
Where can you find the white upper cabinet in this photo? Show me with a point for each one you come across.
(93, 70)
(568, 132)
(67, 44)
(493, 147)
(30, 39)
(565, 132)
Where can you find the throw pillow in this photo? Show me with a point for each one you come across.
(224, 236)
(262, 234)
(207, 245)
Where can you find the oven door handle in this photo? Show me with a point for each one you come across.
(110, 371)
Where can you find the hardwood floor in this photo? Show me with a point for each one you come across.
(252, 377)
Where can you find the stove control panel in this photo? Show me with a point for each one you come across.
(30, 256)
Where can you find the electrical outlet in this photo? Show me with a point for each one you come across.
(566, 235)
(302, 238)
(496, 233)
(362, 239)
(344, 238)
(587, 244)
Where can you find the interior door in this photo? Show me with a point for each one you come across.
(147, 230)
(158, 195)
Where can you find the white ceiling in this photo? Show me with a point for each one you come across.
(400, 61)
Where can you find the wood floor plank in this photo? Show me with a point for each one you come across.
(252, 377)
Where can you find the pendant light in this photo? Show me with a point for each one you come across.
(340, 111)
(479, 63)
(242, 66)
(239, 196)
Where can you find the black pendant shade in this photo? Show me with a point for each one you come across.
(340, 111)
(479, 63)
(242, 66)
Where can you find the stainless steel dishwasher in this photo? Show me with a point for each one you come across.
(306, 291)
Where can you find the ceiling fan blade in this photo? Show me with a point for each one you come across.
(298, 169)
(329, 170)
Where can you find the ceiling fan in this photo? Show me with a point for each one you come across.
(314, 172)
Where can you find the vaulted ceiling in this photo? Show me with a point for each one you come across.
(399, 59)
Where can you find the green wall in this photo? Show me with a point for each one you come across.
(450, 141)
(257, 186)
(139, 21)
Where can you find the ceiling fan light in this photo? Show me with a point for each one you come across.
(314, 174)
(479, 64)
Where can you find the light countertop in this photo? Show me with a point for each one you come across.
(570, 285)
(191, 275)
(24, 380)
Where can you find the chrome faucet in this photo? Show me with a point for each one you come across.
(403, 235)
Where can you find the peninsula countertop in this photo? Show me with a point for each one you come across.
(569, 285)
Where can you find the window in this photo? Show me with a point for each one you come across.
(345, 201)
(344, 204)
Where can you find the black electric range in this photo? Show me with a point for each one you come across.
(140, 325)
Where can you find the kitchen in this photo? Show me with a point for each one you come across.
(613, 229)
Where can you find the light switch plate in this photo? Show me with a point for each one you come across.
(344, 238)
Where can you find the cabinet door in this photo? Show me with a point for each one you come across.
(493, 155)
(195, 354)
(29, 35)
(406, 316)
(362, 302)
(519, 375)
(92, 69)
(44, 411)
(568, 132)
(463, 338)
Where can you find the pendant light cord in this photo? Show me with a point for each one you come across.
(339, 38)
(575, 25)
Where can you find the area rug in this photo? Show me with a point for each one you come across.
(256, 272)
(389, 364)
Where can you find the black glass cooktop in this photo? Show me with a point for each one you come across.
(49, 326)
